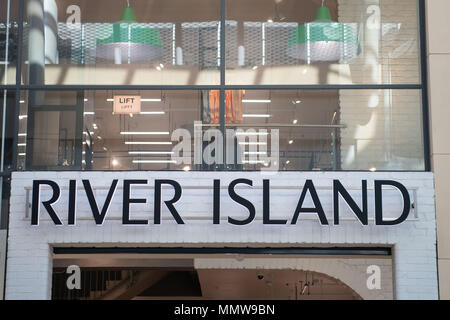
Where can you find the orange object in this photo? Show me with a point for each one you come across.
(233, 106)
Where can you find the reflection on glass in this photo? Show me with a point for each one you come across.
(7, 132)
(332, 129)
(141, 138)
(118, 42)
(54, 139)
(337, 42)
(8, 41)
(265, 129)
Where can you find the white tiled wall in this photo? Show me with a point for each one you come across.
(3, 235)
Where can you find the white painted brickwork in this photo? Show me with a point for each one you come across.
(30, 259)
(384, 127)
(3, 235)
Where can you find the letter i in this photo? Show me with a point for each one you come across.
(72, 201)
(216, 202)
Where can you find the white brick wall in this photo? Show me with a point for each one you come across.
(30, 259)
(3, 235)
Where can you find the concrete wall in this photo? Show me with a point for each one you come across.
(30, 258)
(439, 79)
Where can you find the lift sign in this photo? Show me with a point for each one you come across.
(127, 104)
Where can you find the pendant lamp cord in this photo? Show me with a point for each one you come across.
(128, 3)
(323, 2)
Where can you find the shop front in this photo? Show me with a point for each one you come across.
(218, 149)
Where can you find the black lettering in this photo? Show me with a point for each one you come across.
(216, 214)
(127, 201)
(47, 204)
(379, 202)
(169, 203)
(242, 201)
(266, 205)
(99, 217)
(72, 201)
(338, 189)
(309, 186)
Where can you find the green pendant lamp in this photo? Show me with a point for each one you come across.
(323, 40)
(129, 41)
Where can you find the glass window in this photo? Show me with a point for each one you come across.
(288, 130)
(329, 129)
(6, 144)
(344, 42)
(8, 41)
(281, 44)
(120, 42)
(7, 102)
(112, 130)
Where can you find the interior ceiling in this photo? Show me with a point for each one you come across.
(183, 108)
(181, 280)
(272, 284)
(164, 282)
(238, 284)
(195, 10)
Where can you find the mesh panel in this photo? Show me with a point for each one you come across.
(265, 43)
(200, 44)
(277, 38)
(231, 37)
(77, 43)
(253, 44)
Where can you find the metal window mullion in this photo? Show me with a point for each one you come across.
(222, 42)
(117, 87)
(424, 84)
(223, 76)
(218, 87)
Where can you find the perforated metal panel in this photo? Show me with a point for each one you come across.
(265, 43)
(277, 38)
(201, 44)
(253, 43)
(77, 43)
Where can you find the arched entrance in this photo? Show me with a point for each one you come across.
(221, 276)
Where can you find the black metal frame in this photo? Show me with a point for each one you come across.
(320, 251)
(423, 86)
